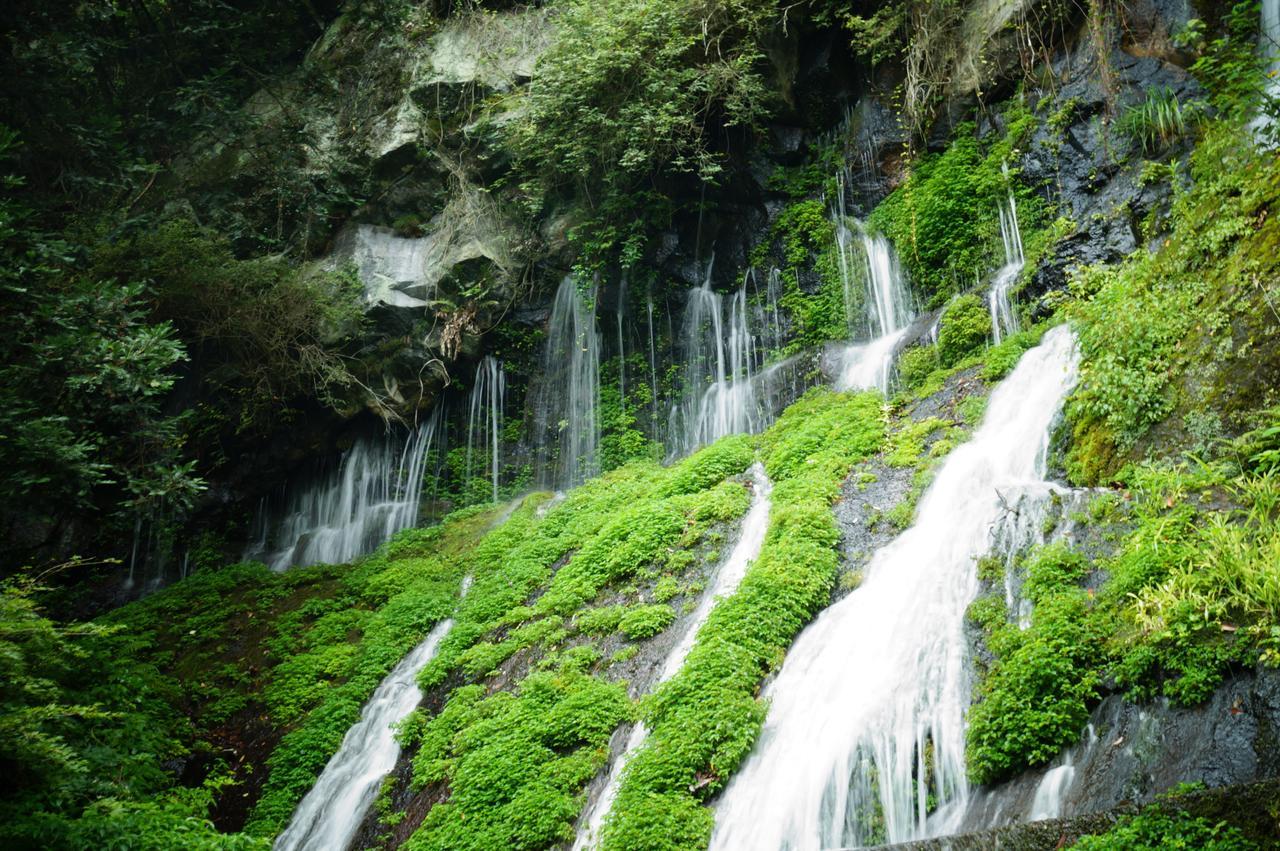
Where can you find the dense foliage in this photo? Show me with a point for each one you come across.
(944, 221)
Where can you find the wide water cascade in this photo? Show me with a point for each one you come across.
(1004, 321)
(484, 425)
(726, 581)
(866, 718)
(332, 811)
(869, 259)
(373, 493)
(567, 415)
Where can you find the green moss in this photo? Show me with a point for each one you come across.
(943, 220)
(704, 720)
(515, 762)
(1161, 826)
(1169, 336)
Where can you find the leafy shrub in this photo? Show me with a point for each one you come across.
(942, 219)
(642, 622)
(1034, 699)
(1159, 826)
(916, 364)
(965, 328)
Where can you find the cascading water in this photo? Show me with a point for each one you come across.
(1269, 43)
(767, 316)
(653, 375)
(887, 307)
(720, 359)
(1050, 797)
(567, 415)
(1004, 321)
(484, 426)
(866, 720)
(374, 493)
(727, 578)
(332, 811)
(622, 342)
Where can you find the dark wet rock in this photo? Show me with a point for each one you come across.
(1250, 807)
(1135, 752)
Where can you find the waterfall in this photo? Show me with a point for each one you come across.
(484, 426)
(866, 717)
(767, 314)
(374, 493)
(720, 359)
(1004, 320)
(567, 416)
(622, 345)
(1269, 36)
(332, 811)
(887, 301)
(653, 376)
(725, 583)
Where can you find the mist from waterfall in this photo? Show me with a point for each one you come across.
(567, 414)
(374, 492)
(864, 740)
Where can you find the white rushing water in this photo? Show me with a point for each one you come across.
(727, 578)
(870, 259)
(1050, 800)
(720, 355)
(374, 493)
(1269, 47)
(567, 415)
(1004, 320)
(332, 811)
(484, 425)
(866, 719)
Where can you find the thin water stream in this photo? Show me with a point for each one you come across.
(333, 810)
(727, 578)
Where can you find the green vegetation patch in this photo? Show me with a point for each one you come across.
(514, 762)
(1181, 341)
(704, 720)
(1034, 699)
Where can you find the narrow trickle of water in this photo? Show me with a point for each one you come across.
(567, 416)
(332, 811)
(1048, 800)
(722, 355)
(622, 343)
(1269, 43)
(653, 376)
(484, 425)
(864, 741)
(727, 578)
(1004, 320)
(374, 493)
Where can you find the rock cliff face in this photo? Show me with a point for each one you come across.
(397, 135)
